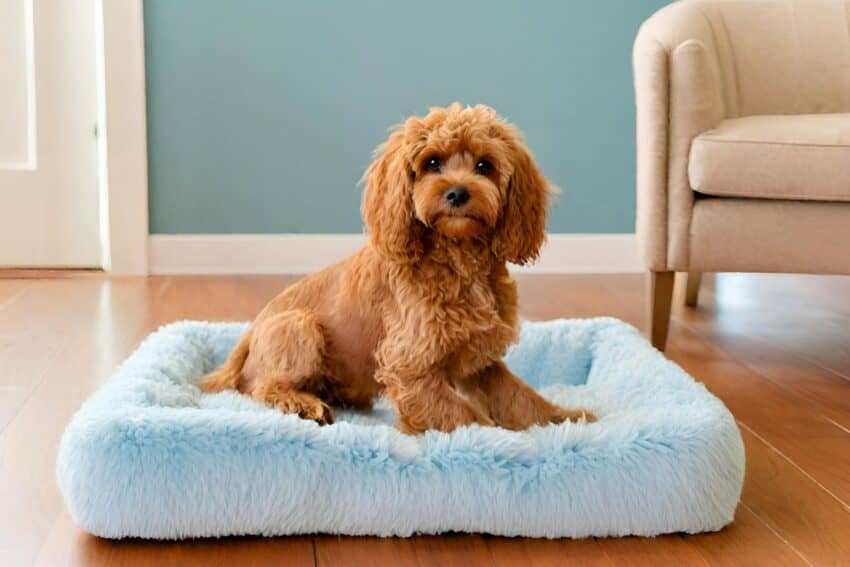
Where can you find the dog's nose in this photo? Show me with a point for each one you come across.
(457, 196)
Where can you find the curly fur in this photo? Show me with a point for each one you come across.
(425, 312)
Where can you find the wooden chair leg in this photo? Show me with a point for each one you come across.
(692, 288)
(660, 299)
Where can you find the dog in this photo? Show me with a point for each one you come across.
(424, 313)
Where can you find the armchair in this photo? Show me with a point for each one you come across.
(743, 142)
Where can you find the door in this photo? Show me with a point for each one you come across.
(48, 142)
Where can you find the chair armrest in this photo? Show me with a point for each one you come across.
(678, 95)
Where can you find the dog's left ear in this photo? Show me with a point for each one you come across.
(521, 229)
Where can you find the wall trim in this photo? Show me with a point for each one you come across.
(122, 137)
(306, 253)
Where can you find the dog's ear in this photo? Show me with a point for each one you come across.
(521, 229)
(387, 206)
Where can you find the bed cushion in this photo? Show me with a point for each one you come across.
(150, 456)
(802, 157)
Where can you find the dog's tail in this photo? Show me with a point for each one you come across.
(227, 376)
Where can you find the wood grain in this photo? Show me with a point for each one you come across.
(692, 285)
(774, 348)
(507, 552)
(242, 551)
(821, 389)
(663, 550)
(91, 344)
(816, 444)
(449, 550)
(747, 542)
(808, 317)
(794, 505)
(810, 439)
(658, 312)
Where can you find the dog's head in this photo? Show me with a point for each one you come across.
(460, 172)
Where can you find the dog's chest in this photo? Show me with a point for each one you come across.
(463, 315)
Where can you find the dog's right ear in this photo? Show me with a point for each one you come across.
(387, 206)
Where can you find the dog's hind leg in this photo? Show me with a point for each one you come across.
(280, 395)
(286, 364)
(228, 375)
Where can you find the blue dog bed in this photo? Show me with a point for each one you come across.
(150, 456)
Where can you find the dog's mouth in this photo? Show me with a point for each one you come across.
(458, 225)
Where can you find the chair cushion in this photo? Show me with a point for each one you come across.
(803, 157)
(150, 456)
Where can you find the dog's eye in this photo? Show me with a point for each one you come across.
(432, 164)
(483, 167)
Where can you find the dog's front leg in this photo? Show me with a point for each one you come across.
(512, 403)
(429, 402)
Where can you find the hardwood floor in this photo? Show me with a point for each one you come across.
(775, 349)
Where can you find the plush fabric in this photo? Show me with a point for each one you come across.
(679, 95)
(651, 67)
(150, 456)
(804, 157)
(699, 65)
(753, 235)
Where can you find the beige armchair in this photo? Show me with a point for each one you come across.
(743, 137)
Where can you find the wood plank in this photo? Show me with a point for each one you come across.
(747, 541)
(11, 400)
(10, 290)
(242, 551)
(823, 390)
(460, 550)
(781, 487)
(66, 544)
(109, 326)
(36, 327)
(662, 550)
(794, 505)
(805, 315)
(552, 297)
(814, 443)
(451, 550)
(508, 552)
(346, 551)
(51, 273)
(235, 298)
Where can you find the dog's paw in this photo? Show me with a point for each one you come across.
(320, 412)
(307, 406)
(445, 422)
(573, 414)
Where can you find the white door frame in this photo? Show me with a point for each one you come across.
(122, 137)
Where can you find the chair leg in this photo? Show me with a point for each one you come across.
(660, 299)
(692, 288)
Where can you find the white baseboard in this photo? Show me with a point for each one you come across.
(306, 253)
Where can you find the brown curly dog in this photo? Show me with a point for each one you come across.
(424, 312)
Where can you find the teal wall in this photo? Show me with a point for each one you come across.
(262, 115)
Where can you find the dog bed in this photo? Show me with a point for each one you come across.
(150, 456)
